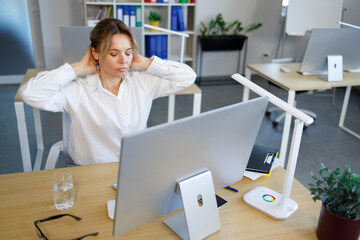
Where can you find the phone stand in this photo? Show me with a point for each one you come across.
(200, 217)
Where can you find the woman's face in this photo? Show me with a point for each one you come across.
(117, 61)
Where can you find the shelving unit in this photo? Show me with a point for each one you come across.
(91, 9)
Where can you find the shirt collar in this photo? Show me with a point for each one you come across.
(93, 82)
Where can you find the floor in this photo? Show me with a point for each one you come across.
(323, 141)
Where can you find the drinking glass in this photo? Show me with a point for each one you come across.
(63, 189)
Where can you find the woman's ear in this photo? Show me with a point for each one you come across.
(95, 54)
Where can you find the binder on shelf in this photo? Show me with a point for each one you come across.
(98, 15)
(181, 23)
(261, 159)
(126, 16)
(138, 16)
(174, 18)
(108, 14)
(120, 13)
(159, 46)
(164, 46)
(132, 16)
(150, 45)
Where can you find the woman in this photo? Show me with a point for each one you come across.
(107, 101)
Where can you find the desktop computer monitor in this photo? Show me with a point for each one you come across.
(153, 160)
(331, 41)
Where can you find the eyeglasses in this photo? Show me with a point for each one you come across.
(42, 235)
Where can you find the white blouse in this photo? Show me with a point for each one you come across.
(99, 118)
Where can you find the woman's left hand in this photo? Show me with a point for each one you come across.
(140, 63)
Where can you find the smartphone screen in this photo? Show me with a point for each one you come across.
(220, 201)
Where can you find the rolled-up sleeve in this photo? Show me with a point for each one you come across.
(169, 77)
(44, 91)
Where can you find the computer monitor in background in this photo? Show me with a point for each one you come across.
(331, 41)
(153, 160)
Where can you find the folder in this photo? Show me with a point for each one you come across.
(180, 13)
(150, 45)
(119, 13)
(108, 14)
(174, 19)
(132, 16)
(126, 15)
(158, 46)
(164, 46)
(98, 15)
(261, 159)
(138, 16)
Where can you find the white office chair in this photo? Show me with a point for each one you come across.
(60, 146)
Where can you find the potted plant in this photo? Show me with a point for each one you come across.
(340, 196)
(154, 19)
(219, 35)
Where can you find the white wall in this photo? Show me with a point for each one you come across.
(262, 40)
(53, 14)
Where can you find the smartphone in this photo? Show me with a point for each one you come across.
(220, 201)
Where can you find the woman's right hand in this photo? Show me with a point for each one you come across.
(87, 65)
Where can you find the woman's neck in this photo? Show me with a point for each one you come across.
(112, 85)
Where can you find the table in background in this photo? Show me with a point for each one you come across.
(26, 197)
(293, 81)
(22, 129)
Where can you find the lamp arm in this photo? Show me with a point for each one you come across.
(273, 99)
(349, 25)
(166, 30)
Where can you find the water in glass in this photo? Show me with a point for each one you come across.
(63, 190)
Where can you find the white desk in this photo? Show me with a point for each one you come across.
(292, 82)
(22, 129)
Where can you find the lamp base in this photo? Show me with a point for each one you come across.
(268, 201)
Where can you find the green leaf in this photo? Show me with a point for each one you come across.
(339, 191)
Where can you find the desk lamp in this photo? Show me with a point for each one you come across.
(272, 203)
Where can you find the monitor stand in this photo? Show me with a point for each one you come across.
(200, 217)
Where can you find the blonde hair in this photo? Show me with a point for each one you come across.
(103, 32)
